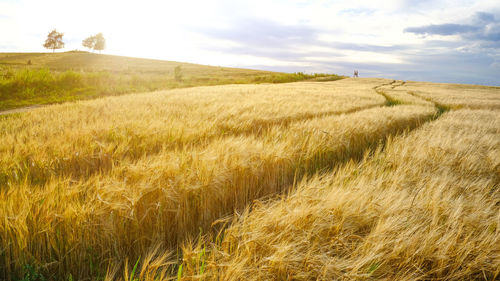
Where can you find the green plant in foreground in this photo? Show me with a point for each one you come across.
(179, 272)
(31, 273)
(133, 270)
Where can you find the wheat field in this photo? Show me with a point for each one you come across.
(353, 179)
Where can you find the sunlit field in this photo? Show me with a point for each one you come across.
(356, 179)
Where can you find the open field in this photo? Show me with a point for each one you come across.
(351, 179)
(43, 78)
(424, 209)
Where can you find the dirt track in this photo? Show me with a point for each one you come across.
(19, 110)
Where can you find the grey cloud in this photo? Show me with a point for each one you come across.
(484, 17)
(365, 47)
(442, 29)
(438, 60)
(484, 27)
(270, 39)
(262, 32)
(452, 67)
(490, 33)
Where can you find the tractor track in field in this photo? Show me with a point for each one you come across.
(103, 162)
(319, 163)
(440, 109)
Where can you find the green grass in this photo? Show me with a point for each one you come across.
(41, 78)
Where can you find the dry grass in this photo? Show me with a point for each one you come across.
(455, 95)
(80, 139)
(92, 189)
(425, 209)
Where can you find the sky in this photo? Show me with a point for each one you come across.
(455, 41)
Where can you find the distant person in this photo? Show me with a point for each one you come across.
(356, 73)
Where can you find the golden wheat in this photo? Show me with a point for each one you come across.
(97, 188)
(396, 92)
(456, 95)
(425, 209)
(83, 138)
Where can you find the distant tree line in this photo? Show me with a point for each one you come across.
(55, 41)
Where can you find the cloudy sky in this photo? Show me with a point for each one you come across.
(443, 41)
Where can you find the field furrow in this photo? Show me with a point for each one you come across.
(173, 195)
(395, 94)
(456, 96)
(353, 179)
(426, 208)
(85, 138)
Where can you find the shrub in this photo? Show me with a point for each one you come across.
(178, 73)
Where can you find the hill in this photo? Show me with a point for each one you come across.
(89, 62)
(40, 78)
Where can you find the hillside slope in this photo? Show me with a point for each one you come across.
(41, 78)
(85, 61)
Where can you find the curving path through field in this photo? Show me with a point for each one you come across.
(20, 109)
(195, 189)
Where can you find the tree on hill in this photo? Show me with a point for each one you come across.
(89, 42)
(95, 42)
(100, 42)
(54, 40)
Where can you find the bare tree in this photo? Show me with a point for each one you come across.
(54, 40)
